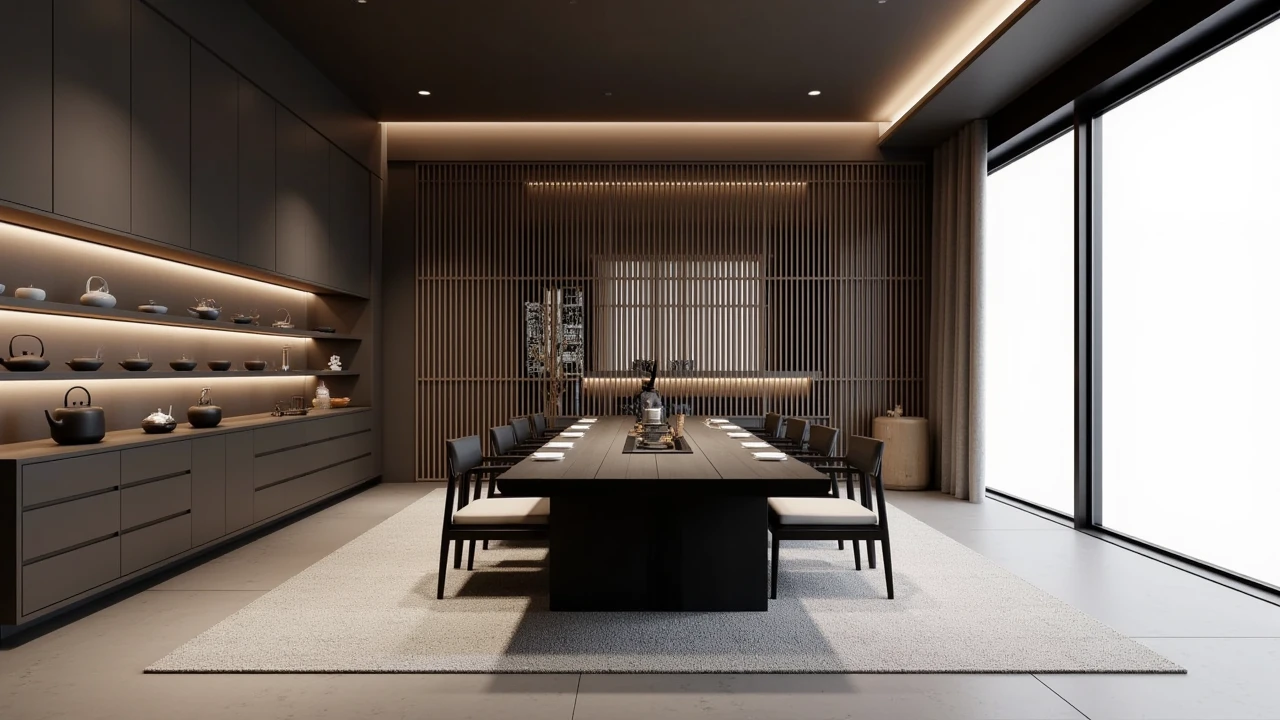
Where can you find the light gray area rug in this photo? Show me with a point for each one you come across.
(370, 607)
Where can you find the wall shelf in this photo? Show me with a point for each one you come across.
(133, 316)
(170, 374)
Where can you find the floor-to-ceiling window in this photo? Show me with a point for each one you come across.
(1028, 334)
(1190, 310)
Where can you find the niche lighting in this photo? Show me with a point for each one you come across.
(141, 334)
(60, 245)
(666, 184)
(966, 34)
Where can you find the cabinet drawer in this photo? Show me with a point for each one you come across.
(56, 527)
(154, 543)
(275, 467)
(325, 428)
(48, 481)
(266, 440)
(151, 501)
(62, 576)
(276, 499)
(156, 461)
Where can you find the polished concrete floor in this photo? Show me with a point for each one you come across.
(90, 665)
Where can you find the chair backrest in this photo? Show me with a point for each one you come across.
(822, 440)
(502, 439)
(539, 421)
(464, 453)
(522, 428)
(797, 429)
(864, 454)
(772, 423)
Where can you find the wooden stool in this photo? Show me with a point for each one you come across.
(906, 451)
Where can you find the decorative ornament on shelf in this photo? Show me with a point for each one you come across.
(159, 422)
(335, 363)
(29, 293)
(101, 297)
(322, 396)
(284, 358)
(896, 412)
(286, 322)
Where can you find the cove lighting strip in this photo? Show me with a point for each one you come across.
(665, 183)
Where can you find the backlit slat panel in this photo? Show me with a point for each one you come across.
(795, 288)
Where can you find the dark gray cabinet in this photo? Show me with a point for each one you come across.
(91, 129)
(161, 146)
(292, 202)
(26, 103)
(256, 177)
(214, 145)
(316, 190)
(349, 224)
(208, 489)
(239, 480)
(85, 520)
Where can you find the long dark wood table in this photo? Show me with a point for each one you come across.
(659, 531)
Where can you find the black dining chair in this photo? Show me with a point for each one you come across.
(835, 518)
(772, 427)
(541, 429)
(469, 516)
(820, 452)
(503, 445)
(524, 434)
(794, 436)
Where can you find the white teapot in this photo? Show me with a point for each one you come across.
(101, 297)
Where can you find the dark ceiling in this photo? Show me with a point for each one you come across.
(638, 60)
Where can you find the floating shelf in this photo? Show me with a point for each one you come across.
(171, 374)
(133, 316)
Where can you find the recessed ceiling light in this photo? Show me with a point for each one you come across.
(815, 92)
(424, 92)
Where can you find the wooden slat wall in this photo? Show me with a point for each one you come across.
(842, 250)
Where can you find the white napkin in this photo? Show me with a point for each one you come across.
(730, 427)
(548, 456)
(569, 433)
(756, 445)
(739, 434)
(774, 456)
(587, 420)
(579, 427)
(717, 420)
(559, 445)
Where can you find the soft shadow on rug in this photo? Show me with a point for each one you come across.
(370, 607)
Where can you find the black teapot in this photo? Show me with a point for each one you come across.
(204, 414)
(26, 362)
(77, 423)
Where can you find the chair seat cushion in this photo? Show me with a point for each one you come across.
(505, 511)
(820, 511)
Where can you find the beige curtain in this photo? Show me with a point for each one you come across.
(955, 304)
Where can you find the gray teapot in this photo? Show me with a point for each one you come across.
(77, 423)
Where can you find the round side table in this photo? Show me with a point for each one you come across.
(906, 451)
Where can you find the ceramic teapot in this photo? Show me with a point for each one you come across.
(79, 423)
(26, 362)
(101, 297)
(206, 309)
(204, 414)
(159, 422)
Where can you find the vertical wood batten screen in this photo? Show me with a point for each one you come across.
(665, 254)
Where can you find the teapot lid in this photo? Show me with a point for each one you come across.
(159, 416)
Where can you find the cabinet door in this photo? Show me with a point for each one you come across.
(214, 87)
(292, 205)
(256, 174)
(91, 133)
(239, 480)
(26, 86)
(349, 225)
(208, 489)
(316, 191)
(161, 148)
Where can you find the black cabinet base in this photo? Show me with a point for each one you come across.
(659, 553)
